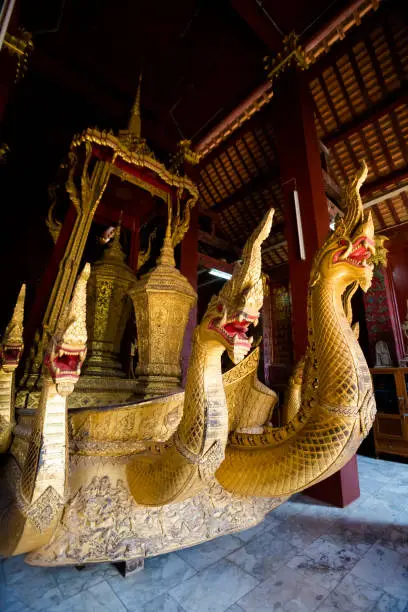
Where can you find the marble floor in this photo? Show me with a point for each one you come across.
(304, 556)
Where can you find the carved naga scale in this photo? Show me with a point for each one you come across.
(90, 483)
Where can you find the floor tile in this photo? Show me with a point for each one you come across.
(324, 562)
(99, 598)
(9, 602)
(214, 589)
(206, 554)
(72, 581)
(253, 532)
(386, 569)
(387, 603)
(352, 594)
(159, 575)
(262, 556)
(396, 538)
(163, 603)
(301, 531)
(286, 591)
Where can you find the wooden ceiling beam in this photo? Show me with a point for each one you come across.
(344, 46)
(210, 262)
(219, 243)
(257, 184)
(255, 17)
(258, 119)
(393, 178)
(375, 112)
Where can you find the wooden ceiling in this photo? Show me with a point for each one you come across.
(200, 59)
(361, 106)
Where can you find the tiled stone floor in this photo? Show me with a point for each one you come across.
(304, 556)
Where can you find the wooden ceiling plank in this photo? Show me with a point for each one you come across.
(384, 181)
(210, 195)
(374, 112)
(401, 140)
(336, 117)
(376, 65)
(384, 146)
(380, 217)
(262, 180)
(216, 207)
(225, 180)
(392, 210)
(242, 184)
(343, 47)
(396, 60)
(233, 138)
(360, 81)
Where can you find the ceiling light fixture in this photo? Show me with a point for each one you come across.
(219, 273)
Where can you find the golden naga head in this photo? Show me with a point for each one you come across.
(347, 255)
(67, 349)
(237, 306)
(12, 345)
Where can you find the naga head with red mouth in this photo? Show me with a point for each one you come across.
(67, 349)
(10, 354)
(348, 254)
(230, 314)
(64, 362)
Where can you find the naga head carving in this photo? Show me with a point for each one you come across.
(237, 306)
(347, 255)
(67, 349)
(12, 344)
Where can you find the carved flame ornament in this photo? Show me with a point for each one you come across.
(147, 477)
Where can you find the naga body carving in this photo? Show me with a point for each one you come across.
(337, 406)
(158, 475)
(36, 482)
(10, 353)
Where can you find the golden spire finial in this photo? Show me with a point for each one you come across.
(167, 251)
(135, 120)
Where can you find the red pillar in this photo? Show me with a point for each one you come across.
(267, 340)
(49, 276)
(300, 167)
(397, 285)
(189, 267)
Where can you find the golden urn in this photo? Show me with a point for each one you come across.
(162, 300)
(108, 310)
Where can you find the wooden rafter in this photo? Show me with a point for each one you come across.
(259, 183)
(372, 113)
(385, 181)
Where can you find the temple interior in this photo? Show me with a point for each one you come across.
(204, 314)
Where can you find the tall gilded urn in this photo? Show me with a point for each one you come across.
(162, 300)
(108, 310)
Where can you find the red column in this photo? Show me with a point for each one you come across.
(300, 166)
(397, 285)
(49, 276)
(267, 340)
(189, 267)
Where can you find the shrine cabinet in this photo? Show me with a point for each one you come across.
(391, 422)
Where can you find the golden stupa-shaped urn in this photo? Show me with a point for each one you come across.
(162, 301)
(108, 309)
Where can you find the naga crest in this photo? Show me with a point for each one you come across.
(347, 255)
(237, 306)
(12, 343)
(67, 349)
